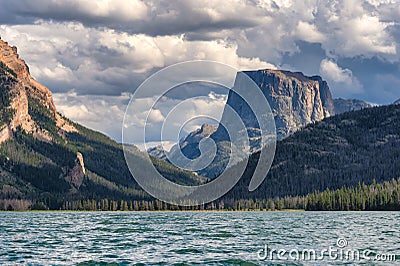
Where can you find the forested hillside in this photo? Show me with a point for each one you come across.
(342, 150)
(36, 171)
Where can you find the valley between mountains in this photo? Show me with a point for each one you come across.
(331, 154)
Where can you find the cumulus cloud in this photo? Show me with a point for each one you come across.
(106, 114)
(102, 113)
(68, 56)
(108, 47)
(308, 32)
(155, 116)
(343, 80)
(361, 29)
(171, 118)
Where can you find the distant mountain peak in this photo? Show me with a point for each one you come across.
(204, 130)
(157, 152)
(347, 105)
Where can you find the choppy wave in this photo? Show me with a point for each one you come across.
(184, 238)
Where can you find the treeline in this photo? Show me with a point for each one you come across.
(375, 197)
(15, 205)
(123, 205)
(152, 205)
(156, 205)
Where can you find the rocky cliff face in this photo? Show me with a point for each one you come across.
(347, 105)
(295, 99)
(26, 100)
(27, 106)
(196, 136)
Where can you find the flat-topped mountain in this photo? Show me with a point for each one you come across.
(295, 99)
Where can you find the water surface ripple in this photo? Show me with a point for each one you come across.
(186, 238)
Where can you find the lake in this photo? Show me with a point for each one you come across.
(213, 238)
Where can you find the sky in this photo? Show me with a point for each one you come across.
(94, 54)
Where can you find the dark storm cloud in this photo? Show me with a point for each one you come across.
(27, 12)
(153, 18)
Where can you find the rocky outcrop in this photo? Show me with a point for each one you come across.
(16, 101)
(50, 169)
(347, 105)
(77, 173)
(397, 102)
(25, 92)
(5, 134)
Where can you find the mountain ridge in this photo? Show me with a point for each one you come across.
(346, 105)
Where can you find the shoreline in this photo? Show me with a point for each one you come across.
(119, 211)
(199, 211)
